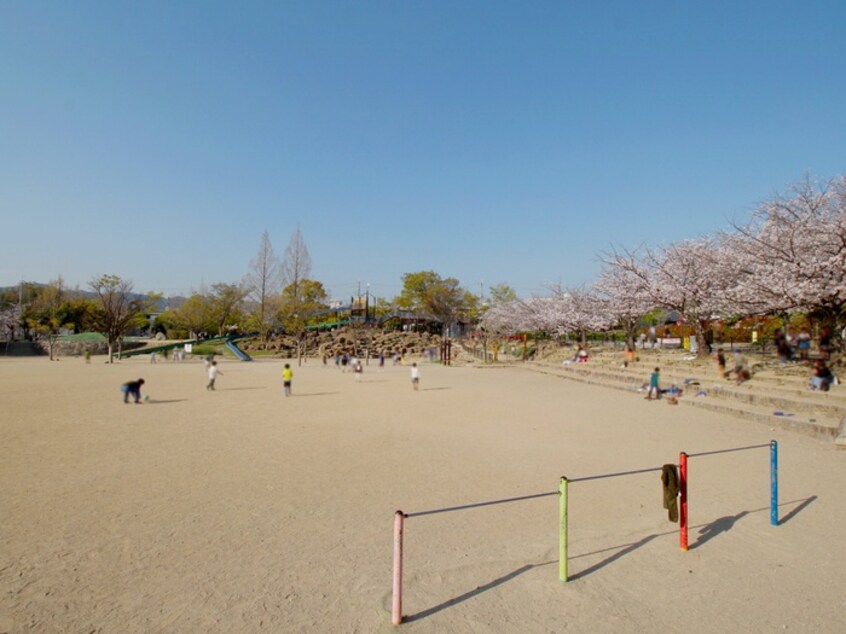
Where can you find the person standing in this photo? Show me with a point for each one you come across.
(782, 347)
(358, 369)
(653, 385)
(415, 376)
(134, 388)
(825, 343)
(287, 377)
(804, 340)
(213, 372)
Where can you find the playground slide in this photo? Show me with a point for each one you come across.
(169, 346)
(237, 351)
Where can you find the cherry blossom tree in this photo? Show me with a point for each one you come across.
(579, 310)
(792, 254)
(626, 295)
(685, 276)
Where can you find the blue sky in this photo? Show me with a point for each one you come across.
(488, 141)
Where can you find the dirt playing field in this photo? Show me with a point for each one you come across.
(240, 510)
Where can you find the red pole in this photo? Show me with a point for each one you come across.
(683, 501)
(396, 606)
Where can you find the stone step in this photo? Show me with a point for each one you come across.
(805, 416)
(771, 394)
(795, 391)
(825, 428)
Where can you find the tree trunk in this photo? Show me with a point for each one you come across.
(630, 333)
(701, 346)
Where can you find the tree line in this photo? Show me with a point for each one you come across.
(276, 294)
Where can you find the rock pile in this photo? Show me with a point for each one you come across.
(353, 341)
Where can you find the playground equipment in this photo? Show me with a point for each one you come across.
(563, 519)
(230, 344)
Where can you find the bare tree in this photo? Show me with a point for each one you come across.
(263, 284)
(116, 309)
(297, 263)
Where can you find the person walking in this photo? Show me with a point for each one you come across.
(213, 372)
(415, 377)
(287, 377)
(653, 385)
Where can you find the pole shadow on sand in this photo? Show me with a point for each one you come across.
(706, 531)
(472, 593)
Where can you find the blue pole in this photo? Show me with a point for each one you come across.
(774, 483)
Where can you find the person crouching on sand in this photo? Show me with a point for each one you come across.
(134, 388)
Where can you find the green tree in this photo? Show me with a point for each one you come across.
(225, 301)
(502, 293)
(428, 292)
(196, 315)
(168, 321)
(300, 300)
(46, 315)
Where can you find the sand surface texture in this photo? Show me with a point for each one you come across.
(242, 511)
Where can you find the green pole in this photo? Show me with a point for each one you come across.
(562, 530)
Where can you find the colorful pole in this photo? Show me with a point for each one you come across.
(773, 483)
(562, 529)
(396, 604)
(683, 501)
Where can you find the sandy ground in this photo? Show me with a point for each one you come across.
(243, 511)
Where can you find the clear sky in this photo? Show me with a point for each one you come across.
(487, 141)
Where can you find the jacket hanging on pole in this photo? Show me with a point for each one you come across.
(670, 485)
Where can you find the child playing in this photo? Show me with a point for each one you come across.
(415, 376)
(287, 376)
(653, 385)
(134, 388)
(213, 372)
(721, 363)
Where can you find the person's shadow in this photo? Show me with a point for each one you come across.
(720, 525)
